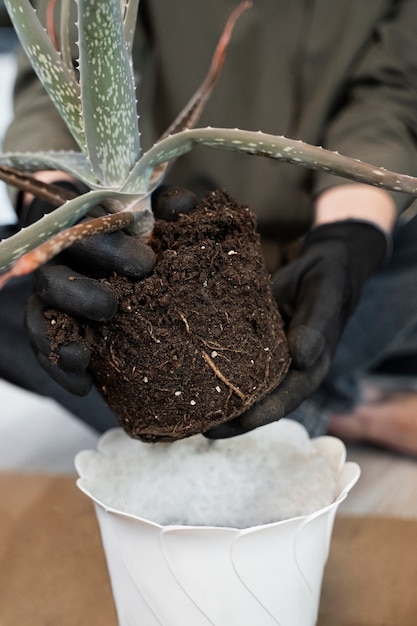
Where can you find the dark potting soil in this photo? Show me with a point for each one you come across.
(198, 341)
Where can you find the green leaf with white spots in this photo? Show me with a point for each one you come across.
(75, 163)
(56, 78)
(139, 179)
(28, 238)
(273, 147)
(107, 91)
(64, 35)
(130, 13)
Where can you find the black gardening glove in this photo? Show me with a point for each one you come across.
(66, 284)
(316, 294)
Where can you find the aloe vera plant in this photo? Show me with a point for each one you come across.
(99, 109)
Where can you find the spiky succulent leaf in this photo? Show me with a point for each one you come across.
(57, 79)
(274, 147)
(28, 238)
(149, 178)
(64, 28)
(75, 163)
(139, 179)
(107, 91)
(130, 13)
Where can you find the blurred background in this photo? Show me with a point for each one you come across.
(35, 433)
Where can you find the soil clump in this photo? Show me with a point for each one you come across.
(197, 342)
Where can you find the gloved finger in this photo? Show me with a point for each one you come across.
(111, 252)
(305, 342)
(64, 289)
(79, 383)
(168, 202)
(72, 357)
(296, 387)
(310, 295)
(317, 316)
(284, 287)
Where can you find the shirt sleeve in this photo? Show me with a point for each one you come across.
(377, 120)
(36, 125)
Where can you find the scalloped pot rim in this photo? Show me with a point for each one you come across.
(330, 447)
(350, 465)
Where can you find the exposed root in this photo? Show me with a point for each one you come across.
(150, 328)
(223, 378)
(184, 319)
(116, 364)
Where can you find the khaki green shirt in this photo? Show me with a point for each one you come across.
(341, 74)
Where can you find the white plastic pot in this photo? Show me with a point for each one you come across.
(265, 575)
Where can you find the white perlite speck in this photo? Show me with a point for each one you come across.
(239, 482)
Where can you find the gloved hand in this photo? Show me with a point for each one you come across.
(70, 284)
(316, 294)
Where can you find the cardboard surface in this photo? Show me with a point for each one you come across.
(53, 571)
